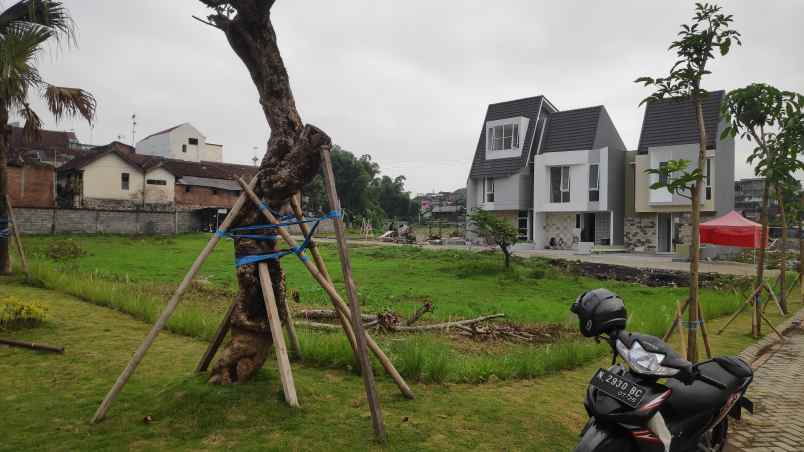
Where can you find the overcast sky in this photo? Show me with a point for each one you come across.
(407, 82)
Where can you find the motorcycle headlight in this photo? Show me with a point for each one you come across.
(643, 361)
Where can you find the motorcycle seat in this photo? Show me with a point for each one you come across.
(701, 396)
(735, 366)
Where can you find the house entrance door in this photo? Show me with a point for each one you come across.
(664, 230)
(588, 228)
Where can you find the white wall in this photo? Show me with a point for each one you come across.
(158, 145)
(212, 153)
(102, 179)
(169, 144)
(160, 194)
(579, 163)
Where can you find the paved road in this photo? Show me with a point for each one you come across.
(778, 395)
(662, 262)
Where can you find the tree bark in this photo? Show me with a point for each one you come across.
(291, 160)
(801, 248)
(756, 326)
(782, 252)
(5, 260)
(695, 239)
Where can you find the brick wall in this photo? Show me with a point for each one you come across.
(204, 197)
(85, 221)
(31, 186)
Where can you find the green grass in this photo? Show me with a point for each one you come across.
(51, 397)
(136, 275)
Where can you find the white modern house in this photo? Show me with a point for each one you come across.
(556, 175)
(657, 220)
(578, 181)
(181, 142)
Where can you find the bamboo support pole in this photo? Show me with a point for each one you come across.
(169, 309)
(746, 303)
(283, 363)
(13, 227)
(781, 338)
(354, 303)
(213, 346)
(295, 205)
(329, 288)
(775, 300)
(704, 333)
(293, 338)
(676, 322)
(32, 345)
(679, 318)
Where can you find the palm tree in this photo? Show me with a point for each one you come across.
(25, 28)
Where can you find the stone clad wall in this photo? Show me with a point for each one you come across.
(560, 226)
(640, 233)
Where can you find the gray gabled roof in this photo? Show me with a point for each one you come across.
(670, 122)
(572, 130)
(528, 107)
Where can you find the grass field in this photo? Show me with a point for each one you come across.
(50, 398)
(136, 276)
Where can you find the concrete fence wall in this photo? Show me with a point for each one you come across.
(86, 221)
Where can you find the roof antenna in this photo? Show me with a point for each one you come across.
(133, 128)
(254, 159)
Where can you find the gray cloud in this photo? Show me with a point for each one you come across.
(407, 82)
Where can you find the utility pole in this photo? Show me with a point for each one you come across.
(133, 128)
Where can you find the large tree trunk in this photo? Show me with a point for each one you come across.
(5, 260)
(756, 326)
(801, 247)
(782, 252)
(292, 160)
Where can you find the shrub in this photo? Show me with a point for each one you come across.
(15, 313)
(63, 250)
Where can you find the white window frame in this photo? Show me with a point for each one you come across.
(495, 143)
(596, 186)
(564, 185)
(488, 189)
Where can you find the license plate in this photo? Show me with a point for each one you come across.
(618, 388)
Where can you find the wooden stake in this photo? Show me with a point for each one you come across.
(169, 309)
(773, 327)
(329, 288)
(748, 302)
(704, 333)
(283, 363)
(223, 328)
(679, 319)
(775, 300)
(295, 205)
(675, 322)
(354, 302)
(13, 227)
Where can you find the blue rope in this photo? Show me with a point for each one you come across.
(692, 326)
(283, 221)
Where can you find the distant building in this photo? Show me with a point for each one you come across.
(443, 206)
(748, 198)
(181, 142)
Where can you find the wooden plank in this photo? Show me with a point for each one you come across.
(329, 288)
(220, 335)
(283, 363)
(171, 306)
(354, 302)
(13, 227)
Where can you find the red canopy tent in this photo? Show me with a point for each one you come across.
(732, 229)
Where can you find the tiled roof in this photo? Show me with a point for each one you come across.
(572, 130)
(528, 107)
(48, 139)
(179, 168)
(669, 122)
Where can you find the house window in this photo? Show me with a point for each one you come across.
(663, 177)
(488, 189)
(708, 179)
(503, 137)
(559, 184)
(184, 148)
(522, 224)
(187, 188)
(124, 178)
(194, 141)
(156, 182)
(594, 183)
(214, 191)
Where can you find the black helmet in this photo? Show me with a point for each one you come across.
(599, 311)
